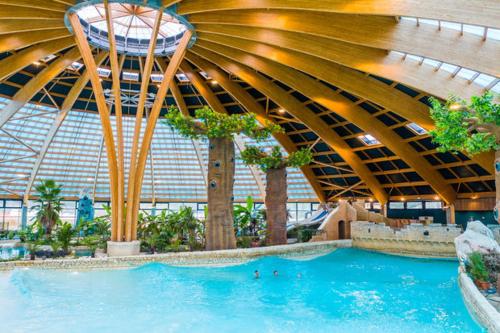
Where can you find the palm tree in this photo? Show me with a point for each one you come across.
(48, 205)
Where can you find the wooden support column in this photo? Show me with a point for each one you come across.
(118, 209)
(131, 205)
(107, 131)
(450, 214)
(148, 134)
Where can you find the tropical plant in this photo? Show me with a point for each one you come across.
(92, 243)
(102, 229)
(169, 230)
(274, 159)
(187, 226)
(32, 246)
(55, 246)
(211, 124)
(249, 221)
(64, 234)
(472, 127)
(32, 232)
(48, 205)
(476, 267)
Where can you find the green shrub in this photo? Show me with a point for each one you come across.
(476, 267)
(244, 241)
(304, 234)
(64, 234)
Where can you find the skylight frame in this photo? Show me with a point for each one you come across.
(368, 140)
(416, 128)
(133, 23)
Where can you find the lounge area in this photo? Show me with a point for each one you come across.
(252, 166)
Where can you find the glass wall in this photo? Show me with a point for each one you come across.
(11, 210)
(10, 214)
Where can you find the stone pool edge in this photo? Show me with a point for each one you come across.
(477, 304)
(183, 258)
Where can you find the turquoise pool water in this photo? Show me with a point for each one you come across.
(7, 253)
(346, 291)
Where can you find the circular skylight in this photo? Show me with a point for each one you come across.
(133, 26)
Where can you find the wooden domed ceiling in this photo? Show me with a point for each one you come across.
(349, 79)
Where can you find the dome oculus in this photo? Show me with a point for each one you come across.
(133, 26)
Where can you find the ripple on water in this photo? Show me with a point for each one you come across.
(348, 290)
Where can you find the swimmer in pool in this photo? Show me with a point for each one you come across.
(275, 273)
(256, 274)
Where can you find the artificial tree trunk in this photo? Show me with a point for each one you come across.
(497, 185)
(276, 211)
(219, 231)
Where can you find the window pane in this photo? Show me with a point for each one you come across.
(414, 205)
(13, 203)
(12, 219)
(396, 205)
(433, 205)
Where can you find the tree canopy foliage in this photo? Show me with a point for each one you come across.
(211, 124)
(274, 159)
(471, 126)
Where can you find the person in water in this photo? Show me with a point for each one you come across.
(256, 274)
(275, 273)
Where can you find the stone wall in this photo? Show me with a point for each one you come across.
(220, 257)
(477, 304)
(433, 240)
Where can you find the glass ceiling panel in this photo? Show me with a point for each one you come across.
(76, 160)
(132, 26)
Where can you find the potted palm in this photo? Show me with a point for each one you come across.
(477, 270)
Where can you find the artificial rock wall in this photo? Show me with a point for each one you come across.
(416, 239)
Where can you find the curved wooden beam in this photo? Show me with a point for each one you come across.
(168, 76)
(325, 96)
(15, 12)
(300, 112)
(378, 62)
(40, 4)
(19, 40)
(251, 105)
(118, 210)
(58, 121)
(373, 31)
(475, 12)
(133, 200)
(11, 26)
(30, 89)
(346, 79)
(18, 61)
(107, 130)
